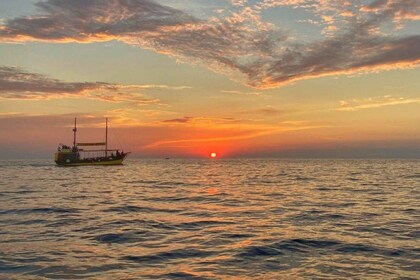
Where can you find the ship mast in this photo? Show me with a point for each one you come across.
(106, 138)
(74, 133)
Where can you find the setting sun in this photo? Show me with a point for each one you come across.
(213, 155)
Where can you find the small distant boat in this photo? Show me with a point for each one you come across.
(75, 156)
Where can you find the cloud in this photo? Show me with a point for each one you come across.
(267, 110)
(93, 20)
(202, 121)
(355, 37)
(238, 133)
(401, 10)
(180, 120)
(16, 83)
(375, 102)
(236, 92)
(239, 3)
(14, 80)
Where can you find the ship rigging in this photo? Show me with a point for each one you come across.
(76, 156)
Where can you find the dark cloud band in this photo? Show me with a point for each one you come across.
(18, 84)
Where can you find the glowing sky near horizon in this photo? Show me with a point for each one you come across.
(188, 78)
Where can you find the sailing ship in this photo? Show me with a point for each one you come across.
(76, 156)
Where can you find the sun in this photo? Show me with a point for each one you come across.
(213, 155)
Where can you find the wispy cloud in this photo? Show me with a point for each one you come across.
(203, 121)
(355, 37)
(242, 93)
(16, 83)
(375, 102)
(239, 133)
(267, 110)
(179, 120)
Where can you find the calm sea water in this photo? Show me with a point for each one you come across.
(211, 219)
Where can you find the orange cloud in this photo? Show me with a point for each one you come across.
(240, 45)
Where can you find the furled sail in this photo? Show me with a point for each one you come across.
(92, 144)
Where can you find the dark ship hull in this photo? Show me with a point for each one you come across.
(72, 159)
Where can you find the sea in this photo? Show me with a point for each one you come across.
(211, 219)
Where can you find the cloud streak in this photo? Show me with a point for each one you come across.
(241, 133)
(377, 102)
(18, 84)
(241, 44)
(203, 121)
(241, 93)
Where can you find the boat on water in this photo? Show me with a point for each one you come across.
(77, 156)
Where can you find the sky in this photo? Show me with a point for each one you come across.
(185, 78)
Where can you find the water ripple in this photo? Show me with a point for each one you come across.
(211, 219)
(170, 255)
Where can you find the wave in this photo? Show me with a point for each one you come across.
(198, 225)
(113, 238)
(169, 255)
(179, 275)
(132, 208)
(42, 210)
(308, 245)
(414, 176)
